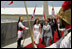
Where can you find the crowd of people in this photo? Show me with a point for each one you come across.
(46, 29)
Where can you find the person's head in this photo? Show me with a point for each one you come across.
(21, 18)
(36, 21)
(47, 19)
(63, 23)
(65, 13)
(51, 20)
(64, 17)
(46, 22)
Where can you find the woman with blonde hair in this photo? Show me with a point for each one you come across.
(47, 33)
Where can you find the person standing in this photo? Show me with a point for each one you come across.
(47, 33)
(20, 28)
(53, 28)
(42, 23)
(36, 31)
(56, 28)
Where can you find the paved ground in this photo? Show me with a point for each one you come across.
(14, 45)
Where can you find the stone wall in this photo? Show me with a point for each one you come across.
(9, 32)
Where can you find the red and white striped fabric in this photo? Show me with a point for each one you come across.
(57, 19)
(53, 13)
(43, 16)
(33, 13)
(10, 2)
(5, 2)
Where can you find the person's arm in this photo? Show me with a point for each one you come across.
(58, 25)
(60, 29)
(22, 26)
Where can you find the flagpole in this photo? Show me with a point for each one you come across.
(45, 9)
(29, 24)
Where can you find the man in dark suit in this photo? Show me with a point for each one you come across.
(52, 27)
(42, 23)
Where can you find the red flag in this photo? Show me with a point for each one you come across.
(43, 16)
(33, 13)
(10, 2)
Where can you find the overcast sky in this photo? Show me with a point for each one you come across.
(31, 3)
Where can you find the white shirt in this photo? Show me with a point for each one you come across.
(36, 28)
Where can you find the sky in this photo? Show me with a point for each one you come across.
(30, 4)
